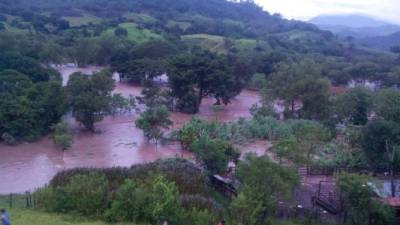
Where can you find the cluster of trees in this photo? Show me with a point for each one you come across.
(31, 99)
(360, 204)
(197, 75)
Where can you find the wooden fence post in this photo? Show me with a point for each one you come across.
(11, 199)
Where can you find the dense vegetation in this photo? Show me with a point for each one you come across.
(31, 98)
(144, 39)
(212, 48)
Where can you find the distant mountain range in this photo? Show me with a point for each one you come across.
(366, 30)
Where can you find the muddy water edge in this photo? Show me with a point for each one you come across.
(118, 143)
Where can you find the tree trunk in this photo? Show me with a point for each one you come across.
(200, 96)
(292, 108)
(392, 182)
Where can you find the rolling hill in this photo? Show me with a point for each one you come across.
(358, 26)
(382, 42)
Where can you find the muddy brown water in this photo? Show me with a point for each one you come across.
(119, 143)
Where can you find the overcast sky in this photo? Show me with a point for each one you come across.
(388, 10)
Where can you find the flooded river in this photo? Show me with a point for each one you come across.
(119, 143)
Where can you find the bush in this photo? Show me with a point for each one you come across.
(84, 194)
(62, 135)
(153, 201)
(215, 154)
(8, 139)
(185, 174)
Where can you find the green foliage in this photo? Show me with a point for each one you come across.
(354, 106)
(301, 82)
(136, 33)
(360, 202)
(28, 109)
(263, 184)
(151, 202)
(387, 105)
(83, 194)
(202, 74)
(200, 217)
(90, 96)
(258, 81)
(171, 190)
(121, 32)
(288, 149)
(36, 217)
(152, 121)
(120, 104)
(184, 174)
(62, 135)
(379, 141)
(214, 154)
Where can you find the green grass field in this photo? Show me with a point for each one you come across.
(182, 25)
(140, 18)
(213, 43)
(136, 34)
(82, 20)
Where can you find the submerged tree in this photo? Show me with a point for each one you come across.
(90, 96)
(300, 82)
(153, 121)
(201, 74)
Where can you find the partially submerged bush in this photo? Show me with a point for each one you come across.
(62, 135)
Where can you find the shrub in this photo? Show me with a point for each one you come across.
(186, 175)
(84, 194)
(153, 201)
(8, 139)
(62, 135)
(214, 153)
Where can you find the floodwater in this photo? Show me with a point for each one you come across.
(118, 142)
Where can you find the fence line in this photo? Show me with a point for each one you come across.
(12, 200)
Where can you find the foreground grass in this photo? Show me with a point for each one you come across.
(33, 217)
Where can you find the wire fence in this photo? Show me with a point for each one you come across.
(17, 200)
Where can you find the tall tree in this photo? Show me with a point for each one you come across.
(381, 145)
(360, 202)
(300, 82)
(90, 96)
(387, 104)
(202, 74)
(354, 106)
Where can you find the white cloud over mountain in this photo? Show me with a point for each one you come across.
(388, 10)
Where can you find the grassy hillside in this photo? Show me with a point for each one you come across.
(137, 34)
(85, 19)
